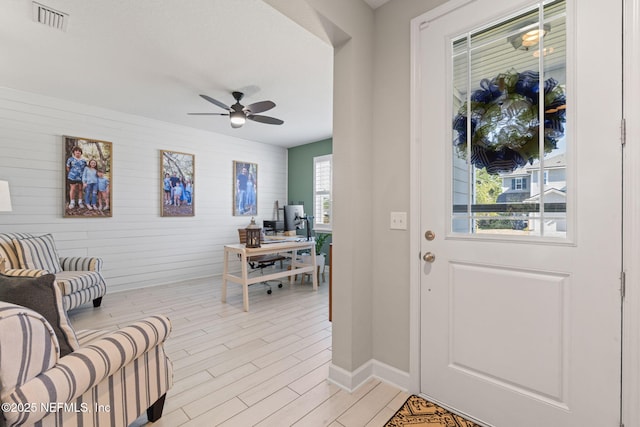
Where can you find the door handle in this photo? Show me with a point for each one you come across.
(429, 257)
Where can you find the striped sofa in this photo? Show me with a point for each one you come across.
(109, 380)
(79, 278)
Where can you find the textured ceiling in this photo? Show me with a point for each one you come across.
(153, 58)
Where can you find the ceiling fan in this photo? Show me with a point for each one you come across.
(239, 114)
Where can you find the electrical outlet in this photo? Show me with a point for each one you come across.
(398, 221)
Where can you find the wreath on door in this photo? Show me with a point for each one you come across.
(504, 121)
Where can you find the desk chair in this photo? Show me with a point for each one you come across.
(260, 262)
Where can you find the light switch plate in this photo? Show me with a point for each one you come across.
(398, 221)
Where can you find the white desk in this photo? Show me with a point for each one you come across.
(268, 248)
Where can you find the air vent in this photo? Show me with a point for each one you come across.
(50, 17)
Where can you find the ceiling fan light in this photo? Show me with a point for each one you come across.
(527, 38)
(546, 51)
(237, 119)
(533, 36)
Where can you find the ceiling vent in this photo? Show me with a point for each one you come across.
(50, 17)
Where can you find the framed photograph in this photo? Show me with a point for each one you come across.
(176, 183)
(245, 188)
(88, 174)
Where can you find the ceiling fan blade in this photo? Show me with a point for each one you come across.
(259, 107)
(215, 102)
(208, 114)
(265, 119)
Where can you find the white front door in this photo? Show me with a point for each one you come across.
(520, 303)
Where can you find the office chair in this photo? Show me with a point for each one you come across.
(260, 262)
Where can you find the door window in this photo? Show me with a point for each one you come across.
(505, 77)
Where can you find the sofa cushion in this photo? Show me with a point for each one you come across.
(74, 281)
(38, 253)
(42, 295)
(8, 249)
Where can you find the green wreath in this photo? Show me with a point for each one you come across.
(504, 121)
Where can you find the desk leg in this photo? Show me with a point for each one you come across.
(314, 274)
(225, 271)
(294, 257)
(245, 285)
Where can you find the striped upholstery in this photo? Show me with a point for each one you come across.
(80, 278)
(81, 264)
(38, 253)
(83, 296)
(20, 329)
(8, 251)
(85, 336)
(75, 281)
(24, 272)
(126, 370)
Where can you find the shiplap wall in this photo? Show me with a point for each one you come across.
(139, 247)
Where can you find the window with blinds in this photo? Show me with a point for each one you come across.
(322, 189)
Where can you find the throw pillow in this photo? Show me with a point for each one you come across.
(38, 253)
(8, 249)
(42, 295)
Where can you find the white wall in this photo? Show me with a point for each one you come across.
(371, 174)
(139, 247)
(352, 175)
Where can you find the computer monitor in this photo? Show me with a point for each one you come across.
(272, 227)
(293, 217)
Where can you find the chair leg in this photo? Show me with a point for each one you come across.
(97, 302)
(154, 412)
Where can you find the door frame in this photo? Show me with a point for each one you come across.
(631, 215)
(630, 390)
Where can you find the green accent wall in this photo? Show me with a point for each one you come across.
(300, 174)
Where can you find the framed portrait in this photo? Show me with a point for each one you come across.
(245, 188)
(88, 175)
(176, 183)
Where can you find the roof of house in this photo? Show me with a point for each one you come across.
(561, 192)
(558, 161)
(555, 162)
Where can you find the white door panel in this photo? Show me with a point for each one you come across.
(520, 326)
(508, 295)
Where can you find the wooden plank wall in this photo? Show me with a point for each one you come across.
(139, 247)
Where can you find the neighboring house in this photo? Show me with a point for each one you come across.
(523, 186)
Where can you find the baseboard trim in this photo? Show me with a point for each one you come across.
(350, 381)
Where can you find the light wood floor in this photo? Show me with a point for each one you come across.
(267, 367)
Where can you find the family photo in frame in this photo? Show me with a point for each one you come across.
(245, 188)
(177, 179)
(87, 178)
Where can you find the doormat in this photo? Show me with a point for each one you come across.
(418, 412)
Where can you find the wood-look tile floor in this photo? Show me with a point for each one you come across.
(267, 367)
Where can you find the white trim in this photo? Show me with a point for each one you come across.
(423, 20)
(414, 209)
(631, 212)
(350, 381)
(321, 227)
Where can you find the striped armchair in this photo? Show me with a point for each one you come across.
(79, 278)
(110, 380)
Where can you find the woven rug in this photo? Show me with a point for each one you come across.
(419, 412)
